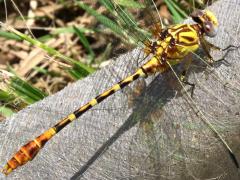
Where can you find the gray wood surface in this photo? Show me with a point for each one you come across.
(171, 142)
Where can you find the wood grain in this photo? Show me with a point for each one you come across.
(169, 143)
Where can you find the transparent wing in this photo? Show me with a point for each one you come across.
(175, 139)
(151, 16)
(130, 25)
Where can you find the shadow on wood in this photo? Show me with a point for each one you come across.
(160, 136)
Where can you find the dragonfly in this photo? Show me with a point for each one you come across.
(168, 47)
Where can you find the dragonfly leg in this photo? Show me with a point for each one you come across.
(207, 46)
(227, 50)
(183, 74)
(185, 81)
(212, 46)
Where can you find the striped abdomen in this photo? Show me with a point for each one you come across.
(30, 150)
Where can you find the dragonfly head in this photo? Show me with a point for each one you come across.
(207, 21)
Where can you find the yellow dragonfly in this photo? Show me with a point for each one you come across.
(163, 50)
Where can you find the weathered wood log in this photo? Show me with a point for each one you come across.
(158, 136)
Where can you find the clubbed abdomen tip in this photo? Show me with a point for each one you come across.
(28, 151)
(25, 154)
(6, 169)
(17, 160)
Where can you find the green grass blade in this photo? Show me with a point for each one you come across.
(85, 42)
(177, 16)
(75, 71)
(25, 91)
(101, 18)
(130, 4)
(179, 8)
(5, 111)
(47, 72)
(64, 30)
(86, 70)
(9, 35)
(45, 38)
(5, 96)
(107, 4)
(121, 24)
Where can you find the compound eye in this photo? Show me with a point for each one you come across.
(196, 16)
(209, 29)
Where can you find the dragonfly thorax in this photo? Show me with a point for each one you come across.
(179, 40)
(175, 42)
